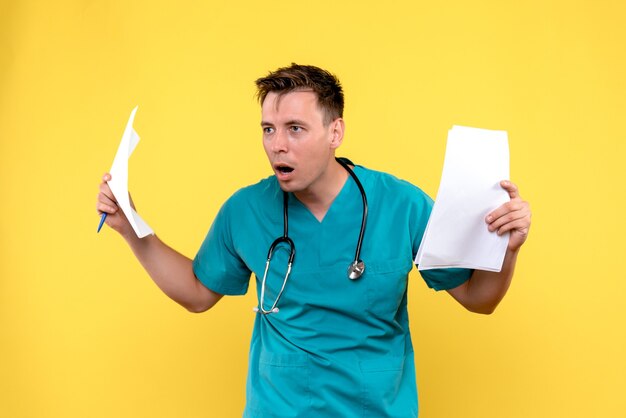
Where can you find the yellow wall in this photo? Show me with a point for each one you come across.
(84, 332)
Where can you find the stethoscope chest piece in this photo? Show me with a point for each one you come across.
(356, 269)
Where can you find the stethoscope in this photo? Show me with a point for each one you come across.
(355, 269)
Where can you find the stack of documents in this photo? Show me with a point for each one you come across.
(456, 234)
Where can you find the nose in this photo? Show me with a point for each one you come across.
(280, 142)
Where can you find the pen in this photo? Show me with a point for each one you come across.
(102, 218)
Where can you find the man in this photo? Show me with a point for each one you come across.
(323, 345)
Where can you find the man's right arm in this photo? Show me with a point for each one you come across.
(170, 270)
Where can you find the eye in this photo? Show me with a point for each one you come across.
(268, 130)
(296, 128)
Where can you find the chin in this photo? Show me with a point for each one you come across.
(289, 187)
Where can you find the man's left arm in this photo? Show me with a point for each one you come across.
(485, 289)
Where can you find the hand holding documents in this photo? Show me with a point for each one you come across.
(456, 234)
(119, 178)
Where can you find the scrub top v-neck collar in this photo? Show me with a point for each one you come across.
(346, 190)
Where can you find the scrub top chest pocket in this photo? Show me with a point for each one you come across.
(386, 284)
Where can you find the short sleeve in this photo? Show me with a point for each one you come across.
(444, 279)
(438, 279)
(217, 264)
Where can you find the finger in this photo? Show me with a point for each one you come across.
(104, 208)
(502, 210)
(106, 190)
(509, 211)
(520, 225)
(510, 187)
(103, 198)
(106, 177)
(511, 217)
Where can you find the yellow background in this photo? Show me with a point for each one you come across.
(85, 333)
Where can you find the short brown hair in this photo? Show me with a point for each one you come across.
(305, 77)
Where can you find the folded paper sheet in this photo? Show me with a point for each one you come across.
(119, 178)
(456, 234)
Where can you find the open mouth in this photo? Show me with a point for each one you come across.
(283, 169)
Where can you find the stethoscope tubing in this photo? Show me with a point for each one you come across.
(344, 162)
(356, 268)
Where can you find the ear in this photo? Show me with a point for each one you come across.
(337, 129)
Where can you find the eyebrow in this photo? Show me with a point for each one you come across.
(288, 123)
(296, 122)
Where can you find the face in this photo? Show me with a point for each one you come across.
(299, 146)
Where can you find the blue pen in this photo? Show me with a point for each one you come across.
(104, 216)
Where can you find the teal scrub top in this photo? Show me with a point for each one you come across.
(337, 347)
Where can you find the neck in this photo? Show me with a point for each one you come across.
(319, 198)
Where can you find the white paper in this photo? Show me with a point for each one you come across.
(456, 234)
(119, 178)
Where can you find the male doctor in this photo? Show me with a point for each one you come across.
(323, 344)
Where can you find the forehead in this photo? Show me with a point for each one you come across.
(295, 105)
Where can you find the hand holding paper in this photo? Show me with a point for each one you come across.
(513, 217)
(456, 234)
(119, 178)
